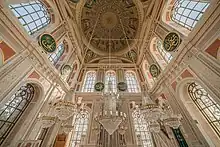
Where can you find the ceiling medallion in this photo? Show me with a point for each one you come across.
(99, 86)
(110, 24)
(48, 43)
(154, 70)
(132, 55)
(66, 69)
(122, 86)
(171, 41)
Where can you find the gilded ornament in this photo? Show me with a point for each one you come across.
(99, 86)
(48, 43)
(171, 42)
(154, 70)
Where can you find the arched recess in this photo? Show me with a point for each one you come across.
(18, 111)
(89, 81)
(183, 15)
(34, 20)
(81, 121)
(110, 75)
(207, 131)
(147, 75)
(133, 84)
(156, 54)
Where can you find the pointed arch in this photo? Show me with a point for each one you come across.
(132, 82)
(183, 15)
(110, 75)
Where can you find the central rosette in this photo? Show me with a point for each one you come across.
(109, 20)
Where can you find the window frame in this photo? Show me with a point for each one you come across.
(178, 5)
(131, 81)
(77, 123)
(38, 14)
(90, 87)
(111, 75)
(26, 94)
(204, 108)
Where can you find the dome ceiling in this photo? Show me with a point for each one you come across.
(109, 25)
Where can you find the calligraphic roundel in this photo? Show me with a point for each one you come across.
(48, 43)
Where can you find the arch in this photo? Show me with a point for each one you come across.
(142, 130)
(207, 131)
(13, 109)
(148, 76)
(55, 56)
(81, 124)
(89, 81)
(110, 75)
(156, 54)
(132, 82)
(182, 15)
(33, 16)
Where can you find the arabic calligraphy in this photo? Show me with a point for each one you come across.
(154, 70)
(48, 43)
(171, 42)
(122, 86)
(99, 86)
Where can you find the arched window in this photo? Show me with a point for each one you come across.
(148, 76)
(132, 82)
(161, 56)
(54, 57)
(89, 82)
(188, 12)
(206, 104)
(141, 130)
(32, 15)
(80, 123)
(110, 76)
(11, 111)
(167, 57)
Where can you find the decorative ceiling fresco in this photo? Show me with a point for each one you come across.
(109, 26)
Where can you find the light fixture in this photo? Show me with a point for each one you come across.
(65, 109)
(110, 116)
(151, 111)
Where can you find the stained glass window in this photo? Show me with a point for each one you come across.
(166, 55)
(132, 83)
(54, 57)
(80, 123)
(188, 12)
(12, 110)
(206, 104)
(89, 82)
(32, 15)
(110, 76)
(141, 130)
